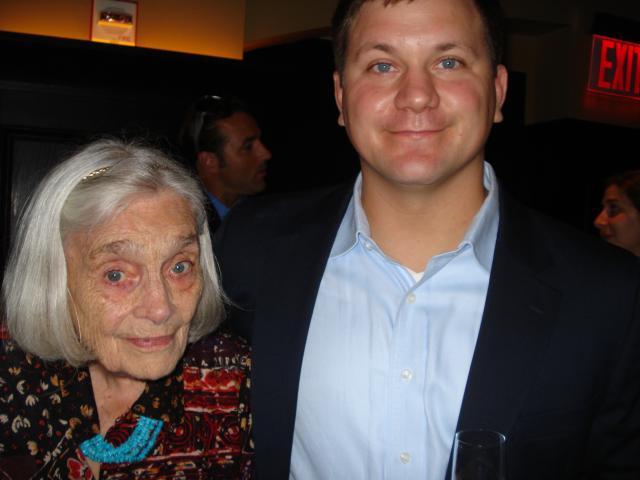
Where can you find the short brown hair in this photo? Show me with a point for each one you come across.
(200, 131)
(347, 11)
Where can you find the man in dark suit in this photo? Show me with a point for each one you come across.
(222, 143)
(421, 301)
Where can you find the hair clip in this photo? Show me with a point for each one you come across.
(95, 173)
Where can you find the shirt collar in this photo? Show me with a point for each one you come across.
(220, 207)
(483, 231)
(353, 223)
(481, 234)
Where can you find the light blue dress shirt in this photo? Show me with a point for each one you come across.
(220, 207)
(387, 357)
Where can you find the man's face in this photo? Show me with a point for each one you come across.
(244, 155)
(418, 94)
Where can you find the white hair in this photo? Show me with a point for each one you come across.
(70, 199)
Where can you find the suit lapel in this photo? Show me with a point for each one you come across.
(517, 322)
(284, 307)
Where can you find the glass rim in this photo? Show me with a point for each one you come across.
(495, 438)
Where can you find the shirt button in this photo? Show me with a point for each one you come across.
(368, 245)
(411, 298)
(406, 375)
(405, 457)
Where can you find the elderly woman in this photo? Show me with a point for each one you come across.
(111, 277)
(619, 220)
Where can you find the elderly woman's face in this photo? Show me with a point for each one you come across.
(135, 282)
(619, 220)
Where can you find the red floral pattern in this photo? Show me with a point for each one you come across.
(47, 409)
(78, 470)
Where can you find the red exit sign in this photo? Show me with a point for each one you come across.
(615, 67)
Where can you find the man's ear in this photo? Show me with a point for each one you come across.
(500, 82)
(337, 91)
(208, 162)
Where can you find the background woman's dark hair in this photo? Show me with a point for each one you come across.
(629, 184)
(199, 131)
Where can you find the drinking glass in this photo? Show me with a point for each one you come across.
(478, 455)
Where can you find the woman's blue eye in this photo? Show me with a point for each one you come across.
(180, 267)
(114, 276)
(382, 67)
(449, 63)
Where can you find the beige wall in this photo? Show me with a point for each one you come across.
(63, 18)
(206, 27)
(546, 74)
(271, 19)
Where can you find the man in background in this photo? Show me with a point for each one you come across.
(422, 300)
(222, 142)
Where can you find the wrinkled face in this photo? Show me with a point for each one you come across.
(418, 94)
(134, 284)
(619, 220)
(245, 156)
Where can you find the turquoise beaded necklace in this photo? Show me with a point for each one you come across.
(136, 447)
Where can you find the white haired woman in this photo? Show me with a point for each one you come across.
(110, 294)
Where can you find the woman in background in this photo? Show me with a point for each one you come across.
(619, 220)
(110, 295)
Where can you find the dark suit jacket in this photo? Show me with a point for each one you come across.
(213, 218)
(557, 361)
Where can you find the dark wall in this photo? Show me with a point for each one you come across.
(295, 93)
(559, 167)
(80, 89)
(56, 94)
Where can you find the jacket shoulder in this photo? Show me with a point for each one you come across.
(288, 205)
(260, 218)
(537, 236)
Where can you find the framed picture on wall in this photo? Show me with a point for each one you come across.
(114, 21)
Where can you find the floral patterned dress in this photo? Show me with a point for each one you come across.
(47, 409)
